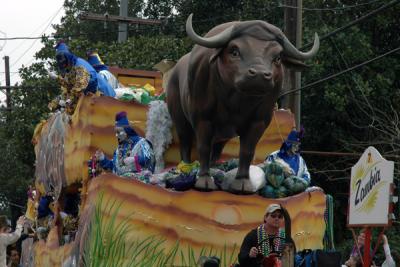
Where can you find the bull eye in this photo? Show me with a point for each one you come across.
(277, 60)
(235, 52)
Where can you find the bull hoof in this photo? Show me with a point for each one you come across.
(242, 185)
(205, 183)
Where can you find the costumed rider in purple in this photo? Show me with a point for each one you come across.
(102, 69)
(134, 156)
(78, 75)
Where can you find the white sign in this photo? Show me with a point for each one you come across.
(370, 189)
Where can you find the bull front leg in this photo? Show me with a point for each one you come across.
(248, 142)
(204, 135)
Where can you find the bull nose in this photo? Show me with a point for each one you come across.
(267, 75)
(252, 72)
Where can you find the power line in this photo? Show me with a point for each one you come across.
(352, 77)
(341, 72)
(29, 48)
(113, 18)
(321, 38)
(27, 87)
(34, 31)
(341, 154)
(55, 36)
(333, 8)
(390, 4)
(19, 38)
(5, 41)
(285, 93)
(374, 12)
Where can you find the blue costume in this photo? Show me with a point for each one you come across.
(43, 208)
(102, 69)
(294, 160)
(133, 155)
(79, 74)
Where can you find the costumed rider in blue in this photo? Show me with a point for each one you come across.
(290, 154)
(78, 75)
(44, 212)
(134, 156)
(286, 171)
(102, 69)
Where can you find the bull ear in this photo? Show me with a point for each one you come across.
(215, 54)
(294, 64)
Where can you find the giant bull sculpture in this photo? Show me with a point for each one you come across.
(227, 86)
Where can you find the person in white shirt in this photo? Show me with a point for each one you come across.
(8, 238)
(389, 262)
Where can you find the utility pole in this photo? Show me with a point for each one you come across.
(293, 30)
(122, 20)
(8, 83)
(123, 27)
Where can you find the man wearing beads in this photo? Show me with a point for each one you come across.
(264, 243)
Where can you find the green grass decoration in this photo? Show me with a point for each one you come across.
(106, 244)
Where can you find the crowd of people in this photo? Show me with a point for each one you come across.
(356, 255)
(264, 245)
(43, 213)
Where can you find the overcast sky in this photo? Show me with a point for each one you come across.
(25, 18)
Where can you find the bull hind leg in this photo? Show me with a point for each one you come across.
(217, 151)
(185, 134)
(183, 127)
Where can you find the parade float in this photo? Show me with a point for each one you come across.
(125, 222)
(185, 224)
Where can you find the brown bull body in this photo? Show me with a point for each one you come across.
(227, 86)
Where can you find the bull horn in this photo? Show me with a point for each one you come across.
(290, 50)
(215, 41)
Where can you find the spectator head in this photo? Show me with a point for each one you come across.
(205, 261)
(353, 261)
(5, 224)
(361, 238)
(273, 218)
(14, 257)
(273, 209)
